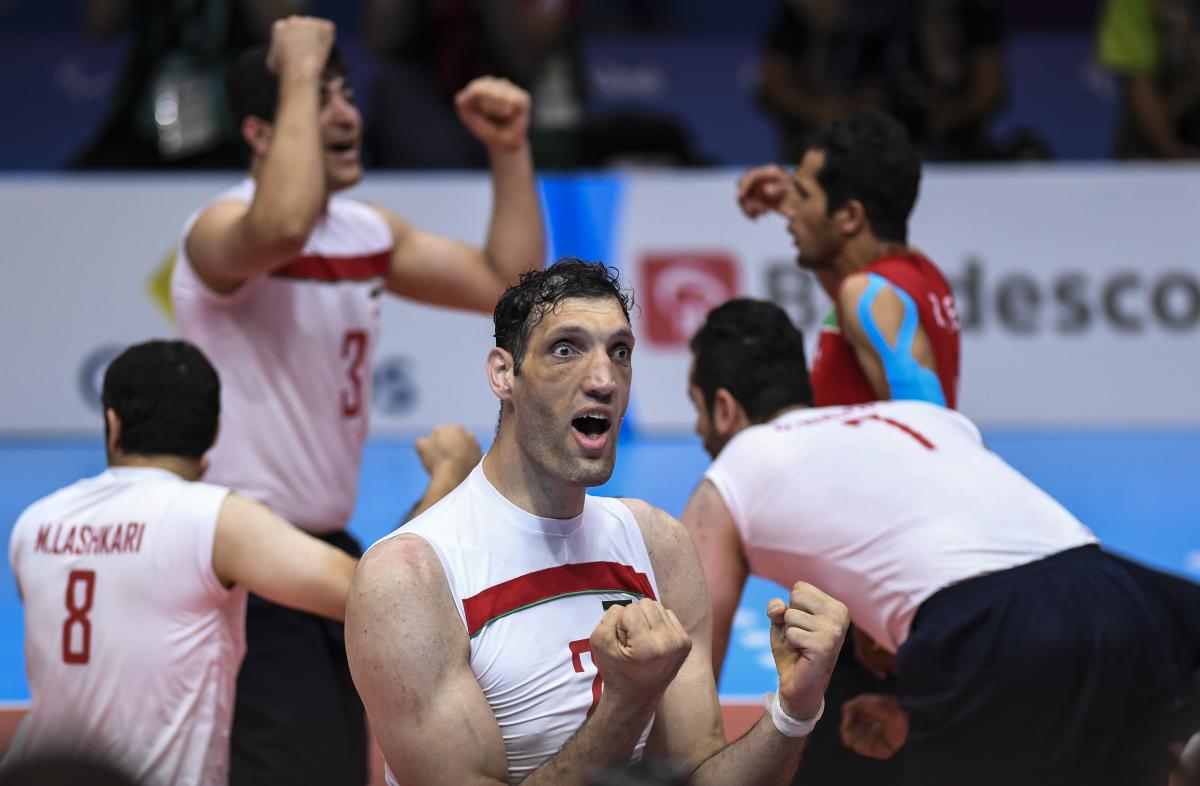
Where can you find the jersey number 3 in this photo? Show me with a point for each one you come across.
(354, 349)
(77, 629)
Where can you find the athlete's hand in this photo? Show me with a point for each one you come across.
(874, 658)
(300, 42)
(873, 724)
(764, 189)
(496, 111)
(638, 649)
(806, 637)
(449, 452)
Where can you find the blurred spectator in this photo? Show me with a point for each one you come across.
(431, 49)
(937, 65)
(1154, 48)
(168, 105)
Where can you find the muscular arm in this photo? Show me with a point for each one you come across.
(445, 272)
(232, 241)
(270, 557)
(887, 312)
(409, 655)
(687, 728)
(708, 521)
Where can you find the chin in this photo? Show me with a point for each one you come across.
(592, 472)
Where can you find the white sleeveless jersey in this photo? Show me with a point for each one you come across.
(132, 645)
(530, 591)
(293, 349)
(881, 505)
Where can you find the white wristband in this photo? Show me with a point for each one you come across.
(786, 724)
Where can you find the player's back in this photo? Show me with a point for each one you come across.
(131, 642)
(883, 504)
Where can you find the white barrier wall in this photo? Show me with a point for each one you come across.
(1079, 290)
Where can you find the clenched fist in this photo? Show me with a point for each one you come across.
(300, 42)
(449, 449)
(496, 111)
(806, 637)
(638, 649)
(764, 189)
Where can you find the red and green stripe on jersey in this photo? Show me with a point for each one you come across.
(327, 268)
(543, 586)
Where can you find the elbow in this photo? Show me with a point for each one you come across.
(282, 238)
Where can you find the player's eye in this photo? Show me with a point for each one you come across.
(621, 352)
(561, 350)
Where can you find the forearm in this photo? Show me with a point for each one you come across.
(760, 757)
(606, 739)
(1150, 112)
(516, 238)
(290, 191)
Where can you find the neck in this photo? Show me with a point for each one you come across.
(186, 468)
(856, 255)
(528, 485)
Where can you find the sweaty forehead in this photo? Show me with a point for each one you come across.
(595, 315)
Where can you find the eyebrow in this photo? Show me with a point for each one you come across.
(568, 331)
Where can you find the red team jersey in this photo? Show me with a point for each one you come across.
(836, 376)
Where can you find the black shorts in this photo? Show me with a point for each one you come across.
(1055, 673)
(297, 718)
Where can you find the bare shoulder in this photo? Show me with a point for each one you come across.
(404, 559)
(665, 537)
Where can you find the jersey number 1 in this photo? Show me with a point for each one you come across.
(77, 629)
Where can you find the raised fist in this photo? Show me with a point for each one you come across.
(496, 111)
(449, 449)
(806, 637)
(764, 189)
(638, 649)
(300, 41)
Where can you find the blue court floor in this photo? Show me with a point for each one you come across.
(1135, 489)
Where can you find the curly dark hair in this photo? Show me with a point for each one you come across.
(523, 306)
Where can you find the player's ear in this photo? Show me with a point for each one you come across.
(500, 373)
(257, 133)
(728, 416)
(112, 431)
(851, 217)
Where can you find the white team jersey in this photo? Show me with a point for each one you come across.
(881, 505)
(132, 645)
(530, 591)
(293, 349)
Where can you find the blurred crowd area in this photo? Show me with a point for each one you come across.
(136, 84)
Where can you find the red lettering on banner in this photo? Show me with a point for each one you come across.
(679, 289)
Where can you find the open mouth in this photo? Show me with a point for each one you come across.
(342, 148)
(592, 425)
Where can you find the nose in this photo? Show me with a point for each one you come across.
(600, 379)
(344, 112)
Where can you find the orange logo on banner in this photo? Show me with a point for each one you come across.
(679, 289)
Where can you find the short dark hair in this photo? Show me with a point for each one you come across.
(168, 398)
(751, 348)
(869, 157)
(253, 90)
(523, 305)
